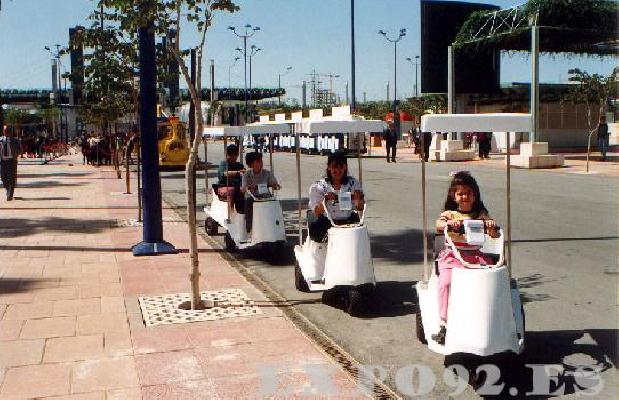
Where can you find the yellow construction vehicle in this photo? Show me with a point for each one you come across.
(172, 142)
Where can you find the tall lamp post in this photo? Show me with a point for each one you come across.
(396, 121)
(229, 69)
(254, 51)
(415, 64)
(56, 79)
(279, 84)
(249, 32)
(152, 228)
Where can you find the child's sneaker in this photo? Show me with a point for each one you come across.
(440, 336)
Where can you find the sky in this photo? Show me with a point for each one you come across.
(304, 34)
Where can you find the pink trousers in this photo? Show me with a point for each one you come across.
(446, 262)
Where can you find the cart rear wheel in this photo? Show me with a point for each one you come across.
(273, 253)
(299, 281)
(230, 245)
(211, 226)
(355, 302)
(421, 336)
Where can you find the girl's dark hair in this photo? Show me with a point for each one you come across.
(338, 158)
(464, 178)
(232, 149)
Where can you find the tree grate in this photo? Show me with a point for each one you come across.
(226, 303)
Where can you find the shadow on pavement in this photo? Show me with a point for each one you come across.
(389, 299)
(45, 184)
(17, 285)
(58, 198)
(53, 174)
(566, 239)
(528, 282)
(579, 356)
(393, 299)
(16, 227)
(96, 249)
(404, 246)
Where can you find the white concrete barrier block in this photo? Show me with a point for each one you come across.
(437, 138)
(461, 155)
(452, 145)
(533, 149)
(538, 161)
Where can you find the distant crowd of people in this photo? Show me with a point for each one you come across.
(99, 149)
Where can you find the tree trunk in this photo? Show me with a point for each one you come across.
(190, 170)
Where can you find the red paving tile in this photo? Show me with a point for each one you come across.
(164, 368)
(161, 338)
(186, 390)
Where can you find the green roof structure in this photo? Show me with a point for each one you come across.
(566, 26)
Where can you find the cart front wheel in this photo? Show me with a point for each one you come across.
(230, 245)
(211, 226)
(299, 281)
(421, 336)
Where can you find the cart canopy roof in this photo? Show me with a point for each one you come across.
(264, 128)
(341, 126)
(220, 131)
(498, 122)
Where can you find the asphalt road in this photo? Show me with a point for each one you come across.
(564, 229)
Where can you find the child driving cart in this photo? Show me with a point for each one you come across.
(255, 184)
(229, 174)
(463, 203)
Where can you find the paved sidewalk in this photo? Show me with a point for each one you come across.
(70, 322)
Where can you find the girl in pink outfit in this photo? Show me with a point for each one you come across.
(463, 202)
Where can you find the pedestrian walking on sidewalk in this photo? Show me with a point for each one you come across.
(391, 142)
(602, 133)
(10, 149)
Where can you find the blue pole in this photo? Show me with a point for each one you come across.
(152, 229)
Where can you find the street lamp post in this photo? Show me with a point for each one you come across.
(396, 121)
(56, 80)
(152, 228)
(415, 64)
(279, 85)
(249, 32)
(252, 53)
(229, 68)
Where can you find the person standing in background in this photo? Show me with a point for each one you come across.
(602, 134)
(10, 149)
(391, 142)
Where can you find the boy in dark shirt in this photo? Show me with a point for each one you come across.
(229, 173)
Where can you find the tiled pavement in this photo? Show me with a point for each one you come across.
(70, 323)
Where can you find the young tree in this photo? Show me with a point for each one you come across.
(109, 71)
(592, 90)
(168, 16)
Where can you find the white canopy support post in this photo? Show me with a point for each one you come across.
(241, 139)
(450, 82)
(509, 208)
(359, 157)
(534, 81)
(204, 138)
(298, 157)
(423, 207)
(270, 136)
